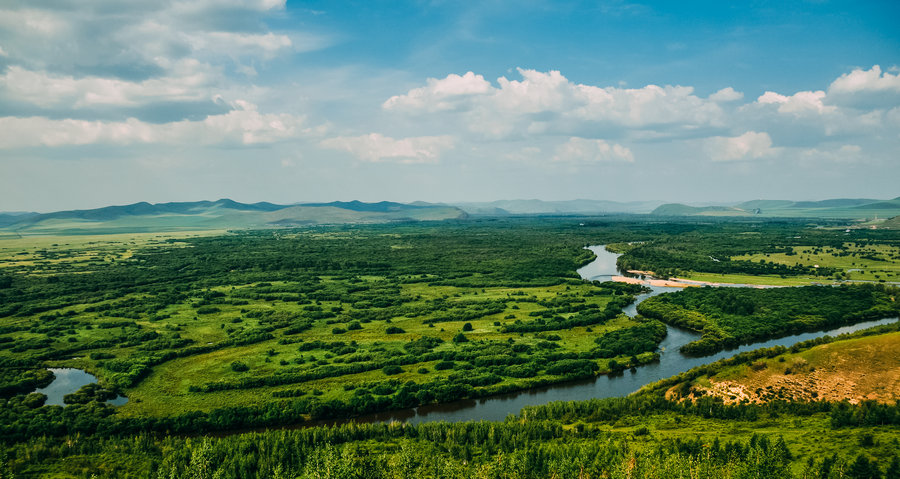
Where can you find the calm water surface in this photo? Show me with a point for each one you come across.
(68, 381)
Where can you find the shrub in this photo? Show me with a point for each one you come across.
(394, 330)
(239, 367)
(392, 369)
(443, 365)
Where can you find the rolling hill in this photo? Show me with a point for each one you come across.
(221, 214)
(849, 208)
(570, 207)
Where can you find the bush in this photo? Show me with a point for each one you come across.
(443, 365)
(392, 369)
(467, 327)
(338, 331)
(394, 330)
(460, 338)
(239, 367)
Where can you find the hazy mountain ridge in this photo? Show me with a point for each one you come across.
(535, 206)
(849, 208)
(230, 214)
(220, 214)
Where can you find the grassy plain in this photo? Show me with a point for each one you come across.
(55, 254)
(201, 321)
(165, 390)
(857, 262)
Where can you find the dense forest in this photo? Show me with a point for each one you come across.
(728, 317)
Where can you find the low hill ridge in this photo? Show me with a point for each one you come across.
(220, 214)
(847, 208)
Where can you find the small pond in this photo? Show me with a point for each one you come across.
(68, 381)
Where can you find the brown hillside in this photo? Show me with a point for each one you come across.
(855, 370)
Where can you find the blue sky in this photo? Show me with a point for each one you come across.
(110, 102)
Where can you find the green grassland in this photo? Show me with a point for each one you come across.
(770, 255)
(848, 263)
(166, 389)
(380, 317)
(853, 261)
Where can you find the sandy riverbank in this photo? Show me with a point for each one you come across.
(652, 282)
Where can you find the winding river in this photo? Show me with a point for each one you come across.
(497, 408)
(671, 362)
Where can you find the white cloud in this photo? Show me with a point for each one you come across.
(866, 80)
(750, 145)
(375, 147)
(726, 95)
(582, 150)
(126, 54)
(193, 81)
(243, 126)
(866, 89)
(798, 103)
(439, 95)
(548, 103)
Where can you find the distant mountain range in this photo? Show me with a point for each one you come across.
(229, 214)
(849, 208)
(221, 214)
(570, 207)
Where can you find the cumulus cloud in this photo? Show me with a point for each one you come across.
(547, 102)
(726, 94)
(70, 59)
(866, 80)
(242, 126)
(438, 95)
(141, 73)
(798, 103)
(376, 147)
(866, 89)
(586, 151)
(750, 145)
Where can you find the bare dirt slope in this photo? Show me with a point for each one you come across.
(858, 369)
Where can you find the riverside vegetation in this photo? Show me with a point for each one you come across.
(262, 328)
